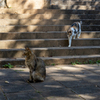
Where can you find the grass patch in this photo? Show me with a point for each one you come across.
(38, 91)
(86, 62)
(76, 62)
(8, 66)
(53, 64)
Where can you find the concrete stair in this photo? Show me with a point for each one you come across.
(42, 22)
(60, 15)
(52, 51)
(44, 28)
(45, 11)
(44, 31)
(62, 42)
(45, 35)
(76, 4)
(53, 60)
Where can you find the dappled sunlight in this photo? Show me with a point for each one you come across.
(71, 4)
(26, 4)
(89, 35)
(79, 71)
(88, 96)
(72, 69)
(42, 54)
(59, 71)
(21, 69)
(52, 86)
(59, 85)
(2, 74)
(44, 32)
(95, 67)
(17, 55)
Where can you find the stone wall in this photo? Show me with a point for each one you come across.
(60, 4)
(28, 4)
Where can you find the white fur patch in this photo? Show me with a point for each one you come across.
(75, 32)
(33, 74)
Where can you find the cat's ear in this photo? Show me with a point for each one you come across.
(27, 48)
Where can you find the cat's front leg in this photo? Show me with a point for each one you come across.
(30, 77)
(79, 33)
(74, 36)
(70, 40)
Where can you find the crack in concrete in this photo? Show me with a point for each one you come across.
(3, 93)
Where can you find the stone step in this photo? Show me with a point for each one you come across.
(44, 28)
(48, 21)
(46, 11)
(53, 60)
(72, 7)
(21, 43)
(51, 47)
(52, 51)
(76, 7)
(82, 2)
(78, 2)
(70, 4)
(50, 16)
(70, 59)
(45, 35)
(90, 34)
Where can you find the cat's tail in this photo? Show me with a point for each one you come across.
(80, 25)
(81, 22)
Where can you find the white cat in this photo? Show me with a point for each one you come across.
(74, 31)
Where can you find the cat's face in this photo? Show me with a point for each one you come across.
(26, 52)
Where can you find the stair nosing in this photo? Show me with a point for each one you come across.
(55, 57)
(51, 19)
(50, 39)
(68, 57)
(39, 25)
(53, 48)
(47, 32)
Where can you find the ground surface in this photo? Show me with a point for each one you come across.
(63, 82)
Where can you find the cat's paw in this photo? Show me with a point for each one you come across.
(69, 46)
(77, 37)
(30, 81)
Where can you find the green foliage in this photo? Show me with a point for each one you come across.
(91, 62)
(73, 63)
(98, 62)
(87, 62)
(53, 64)
(8, 65)
(38, 91)
(76, 62)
